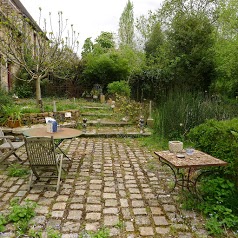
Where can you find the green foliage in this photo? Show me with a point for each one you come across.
(16, 170)
(51, 233)
(128, 108)
(126, 25)
(219, 138)
(219, 190)
(101, 233)
(22, 212)
(13, 112)
(5, 99)
(3, 222)
(121, 88)
(105, 68)
(180, 112)
(20, 215)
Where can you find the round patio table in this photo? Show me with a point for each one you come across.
(59, 136)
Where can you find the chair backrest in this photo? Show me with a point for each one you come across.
(40, 151)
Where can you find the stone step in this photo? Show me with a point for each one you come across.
(96, 107)
(107, 123)
(89, 114)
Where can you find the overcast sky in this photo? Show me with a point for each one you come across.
(89, 17)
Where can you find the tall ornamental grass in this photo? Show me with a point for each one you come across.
(180, 112)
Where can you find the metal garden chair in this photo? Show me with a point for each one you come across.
(8, 147)
(43, 159)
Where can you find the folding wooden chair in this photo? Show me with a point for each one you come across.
(8, 147)
(43, 159)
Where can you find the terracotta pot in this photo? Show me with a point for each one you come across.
(13, 123)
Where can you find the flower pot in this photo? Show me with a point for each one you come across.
(175, 146)
(13, 123)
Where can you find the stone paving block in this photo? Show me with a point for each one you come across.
(142, 220)
(96, 193)
(169, 208)
(135, 196)
(110, 210)
(76, 206)
(92, 226)
(110, 220)
(80, 192)
(57, 214)
(74, 215)
(71, 227)
(42, 209)
(124, 202)
(139, 211)
(14, 188)
(93, 208)
(160, 220)
(162, 230)
(93, 200)
(62, 198)
(138, 203)
(126, 213)
(146, 231)
(156, 211)
(110, 203)
(129, 226)
(49, 194)
(59, 206)
(109, 195)
(95, 216)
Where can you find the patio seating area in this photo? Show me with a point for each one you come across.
(107, 183)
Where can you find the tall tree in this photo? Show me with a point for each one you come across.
(39, 52)
(126, 26)
(87, 47)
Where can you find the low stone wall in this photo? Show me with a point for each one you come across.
(39, 118)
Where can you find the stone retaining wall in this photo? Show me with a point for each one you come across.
(39, 118)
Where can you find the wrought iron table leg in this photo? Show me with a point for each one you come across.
(169, 183)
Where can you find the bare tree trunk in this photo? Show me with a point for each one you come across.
(39, 102)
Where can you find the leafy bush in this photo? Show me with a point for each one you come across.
(121, 88)
(220, 139)
(220, 191)
(5, 99)
(128, 108)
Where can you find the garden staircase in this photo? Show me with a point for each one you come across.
(102, 121)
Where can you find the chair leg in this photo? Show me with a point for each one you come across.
(59, 173)
(30, 180)
(17, 156)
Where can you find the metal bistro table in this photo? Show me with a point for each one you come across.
(186, 171)
(59, 136)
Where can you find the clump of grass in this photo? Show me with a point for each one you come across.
(16, 170)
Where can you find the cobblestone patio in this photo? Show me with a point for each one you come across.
(107, 183)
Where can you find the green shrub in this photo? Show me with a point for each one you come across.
(220, 139)
(121, 88)
(128, 108)
(220, 190)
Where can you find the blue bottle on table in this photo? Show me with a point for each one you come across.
(54, 125)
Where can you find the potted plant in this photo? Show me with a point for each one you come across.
(12, 115)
